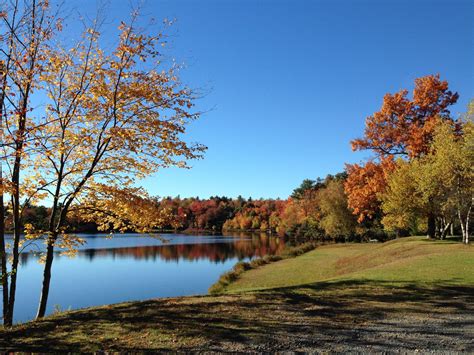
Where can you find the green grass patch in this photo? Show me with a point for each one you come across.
(233, 275)
(413, 259)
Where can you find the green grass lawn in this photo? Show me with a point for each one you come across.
(412, 260)
(408, 294)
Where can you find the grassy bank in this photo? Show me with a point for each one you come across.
(410, 294)
(241, 267)
(410, 260)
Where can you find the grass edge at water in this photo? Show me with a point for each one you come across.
(242, 266)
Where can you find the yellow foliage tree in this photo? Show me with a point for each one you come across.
(439, 183)
(336, 218)
(26, 31)
(106, 119)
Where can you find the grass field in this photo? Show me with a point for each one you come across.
(412, 260)
(405, 295)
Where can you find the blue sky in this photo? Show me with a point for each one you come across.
(290, 82)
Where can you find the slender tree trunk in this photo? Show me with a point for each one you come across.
(16, 235)
(46, 278)
(3, 257)
(53, 234)
(464, 228)
(467, 223)
(463, 232)
(3, 253)
(466, 240)
(445, 230)
(431, 225)
(54, 225)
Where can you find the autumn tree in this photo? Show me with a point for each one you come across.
(103, 119)
(403, 127)
(27, 29)
(402, 203)
(117, 117)
(336, 219)
(438, 183)
(364, 184)
(447, 175)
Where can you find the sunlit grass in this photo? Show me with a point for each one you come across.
(414, 259)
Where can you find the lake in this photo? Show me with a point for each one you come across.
(131, 267)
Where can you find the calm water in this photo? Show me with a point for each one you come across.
(134, 267)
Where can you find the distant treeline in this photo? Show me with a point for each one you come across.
(316, 210)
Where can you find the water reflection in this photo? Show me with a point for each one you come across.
(242, 247)
(135, 267)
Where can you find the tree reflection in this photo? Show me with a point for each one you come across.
(240, 247)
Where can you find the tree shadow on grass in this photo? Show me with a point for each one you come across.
(448, 240)
(323, 315)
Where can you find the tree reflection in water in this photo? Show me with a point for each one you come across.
(241, 246)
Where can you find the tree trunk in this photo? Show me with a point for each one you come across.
(466, 228)
(3, 256)
(46, 278)
(14, 270)
(7, 320)
(445, 230)
(15, 198)
(463, 232)
(465, 225)
(431, 226)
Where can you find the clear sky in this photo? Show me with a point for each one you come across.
(291, 81)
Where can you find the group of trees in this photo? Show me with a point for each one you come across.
(438, 184)
(421, 176)
(420, 179)
(317, 209)
(257, 215)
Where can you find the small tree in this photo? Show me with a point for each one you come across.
(336, 218)
(402, 202)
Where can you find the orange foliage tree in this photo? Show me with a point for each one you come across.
(364, 184)
(403, 127)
